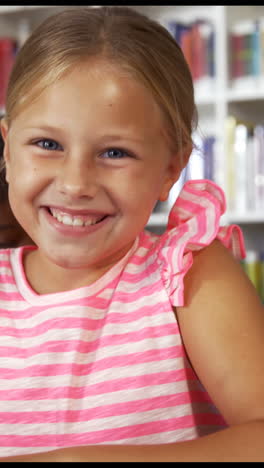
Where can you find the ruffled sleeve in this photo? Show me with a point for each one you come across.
(193, 223)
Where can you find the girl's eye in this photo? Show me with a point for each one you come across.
(115, 153)
(50, 145)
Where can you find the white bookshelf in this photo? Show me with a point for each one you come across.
(245, 98)
(214, 104)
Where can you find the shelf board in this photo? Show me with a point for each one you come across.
(246, 89)
(204, 91)
(245, 218)
(205, 100)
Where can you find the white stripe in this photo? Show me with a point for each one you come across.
(82, 311)
(161, 438)
(94, 378)
(3, 255)
(103, 399)
(13, 305)
(4, 270)
(210, 213)
(104, 352)
(98, 424)
(8, 287)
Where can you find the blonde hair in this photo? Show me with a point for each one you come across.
(124, 37)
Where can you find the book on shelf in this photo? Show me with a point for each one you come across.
(229, 161)
(8, 47)
(200, 165)
(196, 40)
(253, 265)
(177, 29)
(246, 49)
(244, 166)
(261, 43)
(258, 167)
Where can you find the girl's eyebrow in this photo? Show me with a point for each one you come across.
(46, 128)
(105, 138)
(121, 137)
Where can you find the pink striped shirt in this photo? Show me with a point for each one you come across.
(105, 364)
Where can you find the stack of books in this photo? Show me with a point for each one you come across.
(244, 166)
(246, 41)
(196, 40)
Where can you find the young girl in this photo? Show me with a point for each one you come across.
(118, 344)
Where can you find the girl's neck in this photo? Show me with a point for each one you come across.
(45, 277)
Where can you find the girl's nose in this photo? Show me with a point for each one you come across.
(77, 180)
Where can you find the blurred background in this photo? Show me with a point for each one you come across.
(224, 47)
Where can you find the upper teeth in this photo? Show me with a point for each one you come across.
(74, 220)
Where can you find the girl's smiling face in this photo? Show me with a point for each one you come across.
(92, 146)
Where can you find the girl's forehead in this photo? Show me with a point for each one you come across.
(87, 87)
(115, 79)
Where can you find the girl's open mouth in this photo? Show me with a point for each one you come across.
(75, 220)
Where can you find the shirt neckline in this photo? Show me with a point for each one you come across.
(32, 297)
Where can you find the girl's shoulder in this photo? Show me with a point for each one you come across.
(193, 225)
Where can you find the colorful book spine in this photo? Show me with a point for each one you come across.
(241, 162)
(236, 63)
(7, 57)
(209, 157)
(261, 40)
(196, 40)
(246, 49)
(199, 66)
(254, 268)
(211, 52)
(229, 161)
(261, 279)
(255, 46)
(258, 162)
(187, 49)
(177, 29)
(244, 166)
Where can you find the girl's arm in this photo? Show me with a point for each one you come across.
(222, 326)
(242, 443)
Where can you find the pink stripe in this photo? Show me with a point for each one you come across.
(5, 278)
(31, 311)
(208, 188)
(232, 238)
(143, 292)
(140, 260)
(140, 277)
(84, 323)
(104, 411)
(102, 364)
(97, 302)
(111, 316)
(4, 263)
(199, 219)
(114, 385)
(63, 346)
(59, 323)
(108, 435)
(11, 296)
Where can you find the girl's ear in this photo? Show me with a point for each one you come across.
(4, 132)
(176, 165)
